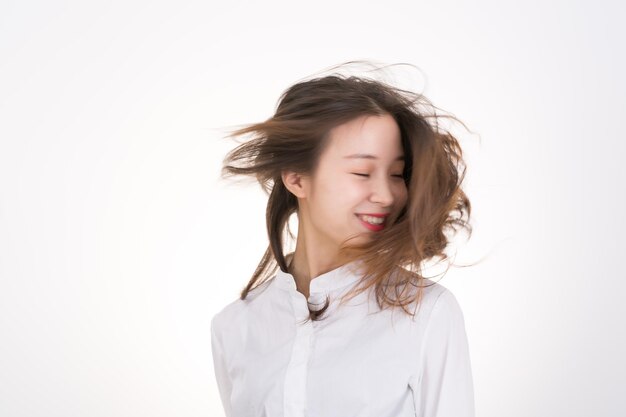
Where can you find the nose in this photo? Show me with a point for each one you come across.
(382, 193)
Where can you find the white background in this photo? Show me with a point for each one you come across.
(118, 241)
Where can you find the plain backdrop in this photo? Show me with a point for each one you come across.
(118, 241)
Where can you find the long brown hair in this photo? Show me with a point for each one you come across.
(294, 138)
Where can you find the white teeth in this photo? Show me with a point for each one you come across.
(373, 220)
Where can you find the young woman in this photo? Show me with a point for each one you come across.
(348, 325)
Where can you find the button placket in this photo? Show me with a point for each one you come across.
(305, 330)
(296, 374)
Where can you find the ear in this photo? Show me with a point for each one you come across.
(294, 182)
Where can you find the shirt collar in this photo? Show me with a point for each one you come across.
(334, 279)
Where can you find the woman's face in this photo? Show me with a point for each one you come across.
(359, 174)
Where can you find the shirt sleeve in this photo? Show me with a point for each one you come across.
(224, 384)
(443, 385)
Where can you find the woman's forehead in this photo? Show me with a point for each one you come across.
(369, 141)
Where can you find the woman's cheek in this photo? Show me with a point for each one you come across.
(351, 185)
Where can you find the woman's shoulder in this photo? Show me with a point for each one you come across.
(438, 305)
(433, 295)
(238, 308)
(434, 290)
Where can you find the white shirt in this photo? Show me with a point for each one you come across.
(354, 363)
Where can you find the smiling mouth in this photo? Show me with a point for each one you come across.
(371, 219)
(370, 223)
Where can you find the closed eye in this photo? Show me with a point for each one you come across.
(367, 175)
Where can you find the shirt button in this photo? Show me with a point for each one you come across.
(316, 301)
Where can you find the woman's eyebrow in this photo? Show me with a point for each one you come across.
(368, 156)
